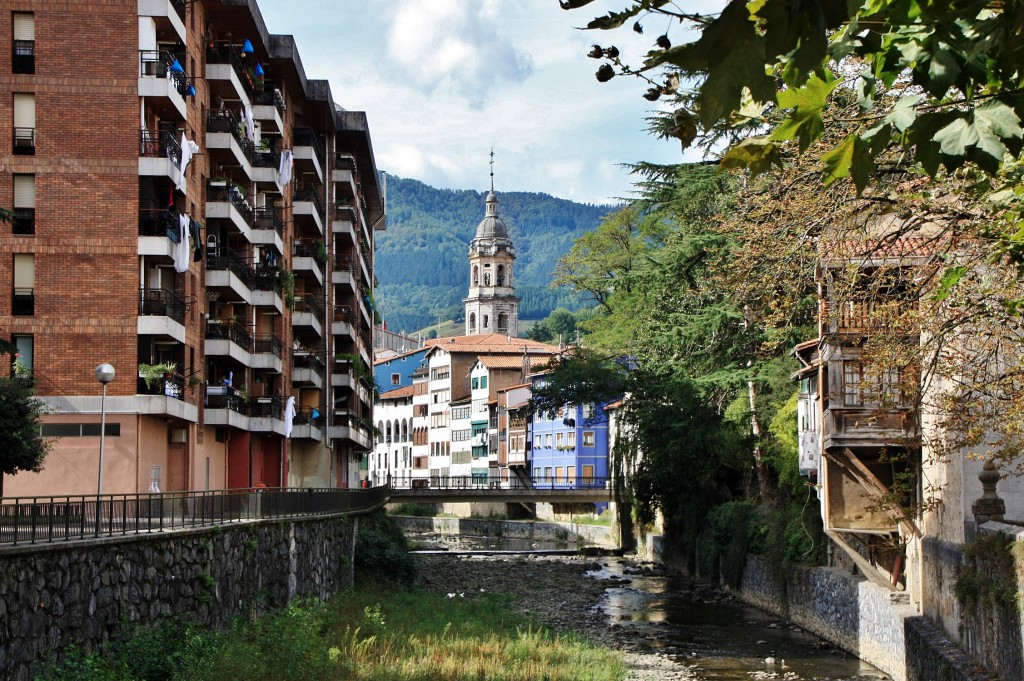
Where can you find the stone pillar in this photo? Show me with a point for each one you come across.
(989, 506)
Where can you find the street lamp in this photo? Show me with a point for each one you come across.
(104, 374)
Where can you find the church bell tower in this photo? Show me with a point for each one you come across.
(492, 305)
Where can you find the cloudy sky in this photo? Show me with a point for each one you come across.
(442, 81)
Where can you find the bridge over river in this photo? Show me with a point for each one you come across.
(508, 489)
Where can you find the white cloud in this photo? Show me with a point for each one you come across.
(453, 46)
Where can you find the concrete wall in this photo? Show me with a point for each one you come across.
(591, 535)
(82, 593)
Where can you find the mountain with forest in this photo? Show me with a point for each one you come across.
(422, 258)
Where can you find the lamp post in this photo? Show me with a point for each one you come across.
(104, 374)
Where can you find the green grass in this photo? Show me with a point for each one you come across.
(373, 633)
(604, 519)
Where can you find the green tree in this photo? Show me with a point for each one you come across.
(22, 448)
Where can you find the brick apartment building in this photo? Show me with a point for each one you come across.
(193, 210)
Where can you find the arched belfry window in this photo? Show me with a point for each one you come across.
(472, 322)
(501, 275)
(502, 322)
(476, 275)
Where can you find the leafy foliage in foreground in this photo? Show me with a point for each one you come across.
(374, 633)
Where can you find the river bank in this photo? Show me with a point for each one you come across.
(555, 592)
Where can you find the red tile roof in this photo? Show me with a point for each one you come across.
(397, 393)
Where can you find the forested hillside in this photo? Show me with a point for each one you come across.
(422, 265)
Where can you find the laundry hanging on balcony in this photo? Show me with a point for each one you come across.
(250, 124)
(289, 416)
(182, 251)
(193, 231)
(188, 150)
(284, 168)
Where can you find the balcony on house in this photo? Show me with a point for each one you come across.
(266, 415)
(308, 209)
(225, 139)
(308, 313)
(343, 321)
(226, 200)
(159, 154)
(344, 221)
(229, 74)
(268, 228)
(172, 386)
(265, 162)
(267, 287)
(230, 271)
(162, 314)
(226, 406)
(163, 87)
(266, 352)
(344, 176)
(308, 258)
(168, 14)
(344, 271)
(309, 151)
(268, 107)
(864, 315)
(307, 369)
(307, 424)
(226, 337)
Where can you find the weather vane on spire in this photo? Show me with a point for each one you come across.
(492, 169)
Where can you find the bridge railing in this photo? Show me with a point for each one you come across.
(33, 520)
(498, 482)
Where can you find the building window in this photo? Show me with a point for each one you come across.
(501, 278)
(23, 53)
(440, 373)
(396, 379)
(476, 383)
(472, 322)
(570, 474)
(25, 350)
(485, 323)
(23, 299)
(559, 440)
(570, 439)
(483, 381)
(24, 124)
(588, 475)
(536, 442)
(502, 322)
(24, 221)
(589, 410)
(588, 438)
(78, 430)
(476, 281)
(547, 440)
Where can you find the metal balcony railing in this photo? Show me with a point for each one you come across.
(271, 96)
(345, 162)
(311, 304)
(226, 329)
(306, 360)
(159, 222)
(157, 64)
(308, 137)
(23, 56)
(266, 157)
(173, 387)
(35, 520)
(268, 343)
(269, 218)
(311, 193)
(25, 141)
(159, 144)
(266, 279)
(310, 248)
(238, 264)
(225, 120)
(229, 54)
(162, 303)
(344, 313)
(308, 416)
(221, 190)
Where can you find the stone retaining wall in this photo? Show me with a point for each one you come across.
(875, 624)
(573, 533)
(82, 593)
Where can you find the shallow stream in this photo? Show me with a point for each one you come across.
(714, 636)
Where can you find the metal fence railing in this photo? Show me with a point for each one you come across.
(35, 520)
(501, 481)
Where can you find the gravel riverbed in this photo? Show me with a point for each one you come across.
(554, 592)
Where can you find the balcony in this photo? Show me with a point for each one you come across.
(308, 149)
(168, 386)
(266, 415)
(227, 71)
(24, 141)
(343, 321)
(265, 162)
(345, 173)
(269, 107)
(226, 200)
(308, 203)
(307, 370)
(159, 232)
(227, 337)
(230, 271)
(163, 88)
(224, 132)
(308, 424)
(23, 222)
(162, 314)
(309, 256)
(225, 406)
(266, 354)
(308, 313)
(159, 154)
(345, 221)
(23, 302)
(169, 15)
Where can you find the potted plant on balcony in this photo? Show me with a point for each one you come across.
(153, 372)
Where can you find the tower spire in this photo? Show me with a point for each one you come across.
(492, 169)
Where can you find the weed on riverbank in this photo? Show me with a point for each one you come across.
(375, 633)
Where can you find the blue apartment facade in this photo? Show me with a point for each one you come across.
(570, 447)
(396, 372)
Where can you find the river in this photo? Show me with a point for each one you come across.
(708, 634)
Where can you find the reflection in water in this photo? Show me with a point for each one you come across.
(723, 640)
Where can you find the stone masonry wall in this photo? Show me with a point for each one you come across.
(867, 620)
(82, 593)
